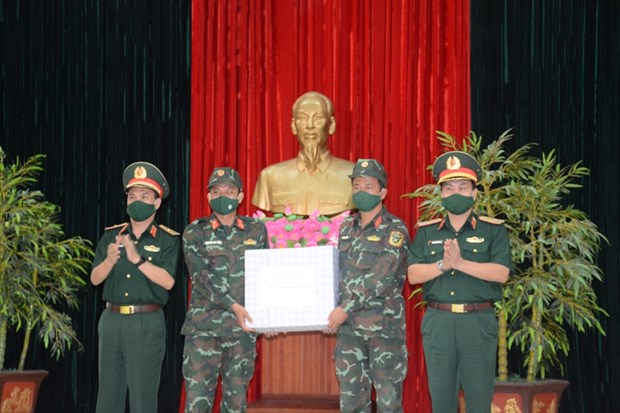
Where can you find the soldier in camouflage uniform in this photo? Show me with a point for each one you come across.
(462, 261)
(370, 318)
(137, 262)
(218, 339)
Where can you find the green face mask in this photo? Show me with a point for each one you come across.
(224, 205)
(457, 203)
(140, 211)
(365, 201)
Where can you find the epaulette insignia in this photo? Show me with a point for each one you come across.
(430, 222)
(168, 230)
(494, 221)
(123, 224)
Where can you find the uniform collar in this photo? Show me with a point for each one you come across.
(151, 230)
(472, 221)
(376, 221)
(215, 223)
(324, 162)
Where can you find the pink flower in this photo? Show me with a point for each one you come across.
(294, 231)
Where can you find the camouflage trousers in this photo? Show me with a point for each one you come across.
(205, 359)
(362, 362)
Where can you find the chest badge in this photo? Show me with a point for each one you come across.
(207, 243)
(475, 240)
(373, 238)
(151, 248)
(249, 242)
(396, 239)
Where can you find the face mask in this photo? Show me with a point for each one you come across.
(457, 204)
(365, 201)
(224, 205)
(140, 211)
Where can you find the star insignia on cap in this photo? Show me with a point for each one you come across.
(139, 172)
(220, 173)
(364, 164)
(453, 163)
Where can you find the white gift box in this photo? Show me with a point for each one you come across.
(291, 289)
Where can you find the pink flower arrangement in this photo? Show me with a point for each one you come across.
(294, 231)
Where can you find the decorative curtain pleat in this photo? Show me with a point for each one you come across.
(396, 70)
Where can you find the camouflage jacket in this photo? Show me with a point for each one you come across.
(215, 257)
(373, 267)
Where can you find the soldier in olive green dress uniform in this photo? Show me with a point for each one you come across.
(137, 262)
(218, 339)
(371, 347)
(462, 260)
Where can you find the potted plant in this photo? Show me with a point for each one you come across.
(554, 248)
(40, 274)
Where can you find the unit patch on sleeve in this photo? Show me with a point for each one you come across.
(396, 239)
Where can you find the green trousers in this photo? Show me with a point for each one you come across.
(131, 351)
(460, 352)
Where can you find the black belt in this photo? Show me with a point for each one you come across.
(133, 309)
(460, 308)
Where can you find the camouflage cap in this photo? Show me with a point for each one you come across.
(145, 174)
(370, 167)
(456, 165)
(225, 175)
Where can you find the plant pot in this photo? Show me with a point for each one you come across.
(19, 390)
(524, 397)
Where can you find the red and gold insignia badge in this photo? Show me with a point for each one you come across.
(396, 239)
(364, 164)
(139, 173)
(453, 163)
(220, 173)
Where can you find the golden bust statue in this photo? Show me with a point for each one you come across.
(315, 180)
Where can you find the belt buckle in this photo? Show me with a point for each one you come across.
(127, 309)
(458, 308)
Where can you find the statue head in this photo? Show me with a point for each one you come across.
(313, 121)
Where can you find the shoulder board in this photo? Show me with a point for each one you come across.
(494, 221)
(430, 222)
(198, 220)
(168, 230)
(123, 224)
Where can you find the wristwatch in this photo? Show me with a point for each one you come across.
(440, 265)
(142, 261)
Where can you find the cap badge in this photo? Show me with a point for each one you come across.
(364, 164)
(453, 163)
(139, 173)
(220, 173)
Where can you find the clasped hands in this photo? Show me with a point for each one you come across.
(452, 258)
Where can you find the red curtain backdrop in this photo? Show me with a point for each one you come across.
(396, 70)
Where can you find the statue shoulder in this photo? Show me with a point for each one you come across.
(280, 166)
(489, 220)
(422, 224)
(342, 163)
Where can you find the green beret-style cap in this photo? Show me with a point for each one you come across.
(370, 167)
(225, 175)
(146, 175)
(456, 165)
